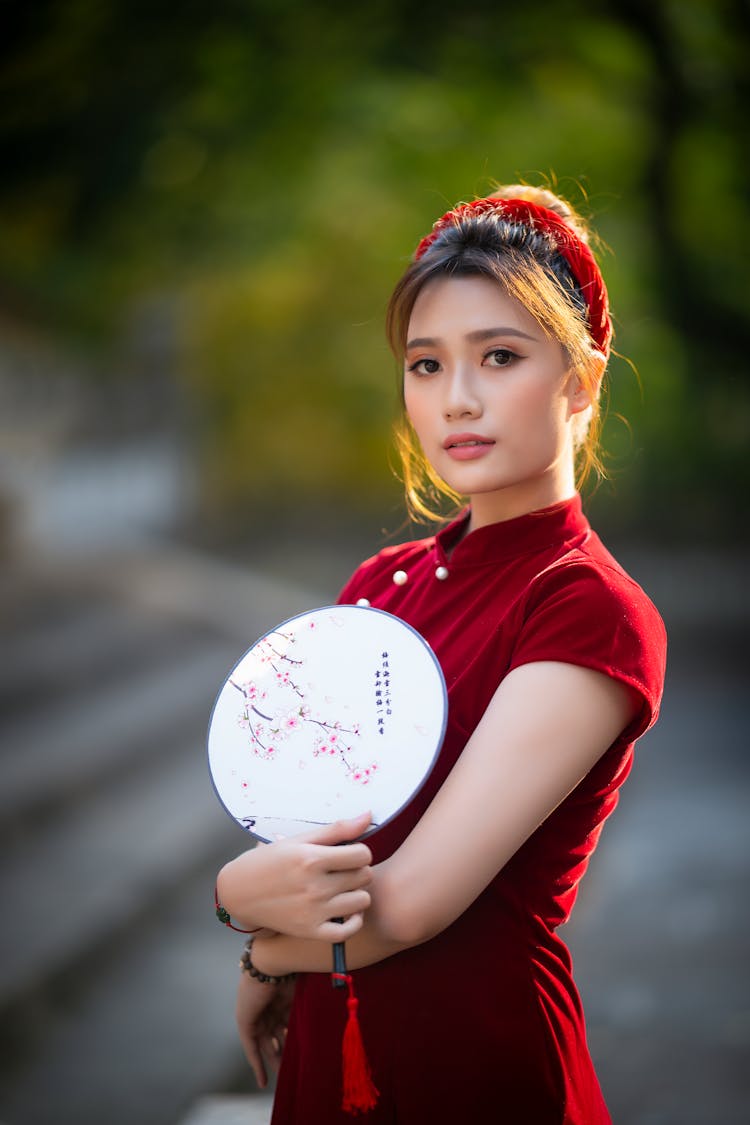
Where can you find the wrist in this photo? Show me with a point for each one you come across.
(264, 954)
(260, 971)
(226, 919)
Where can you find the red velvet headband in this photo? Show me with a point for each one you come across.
(575, 252)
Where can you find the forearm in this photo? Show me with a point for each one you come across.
(377, 939)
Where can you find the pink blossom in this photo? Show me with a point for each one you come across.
(363, 774)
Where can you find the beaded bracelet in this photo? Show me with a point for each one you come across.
(247, 966)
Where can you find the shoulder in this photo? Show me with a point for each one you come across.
(585, 609)
(593, 582)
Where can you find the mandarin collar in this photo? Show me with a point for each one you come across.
(521, 535)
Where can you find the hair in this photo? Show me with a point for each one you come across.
(526, 263)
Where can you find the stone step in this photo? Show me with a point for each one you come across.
(116, 981)
(76, 742)
(228, 1109)
(97, 866)
(182, 585)
(143, 1032)
(62, 652)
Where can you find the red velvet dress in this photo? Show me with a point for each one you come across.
(484, 1023)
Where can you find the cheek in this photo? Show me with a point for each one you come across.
(415, 405)
(539, 417)
(408, 407)
(537, 402)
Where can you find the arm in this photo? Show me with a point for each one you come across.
(545, 727)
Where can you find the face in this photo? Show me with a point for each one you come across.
(491, 398)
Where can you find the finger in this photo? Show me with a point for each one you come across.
(270, 1049)
(339, 882)
(339, 831)
(254, 1056)
(340, 931)
(348, 903)
(275, 1048)
(346, 857)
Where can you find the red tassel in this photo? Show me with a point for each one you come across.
(360, 1092)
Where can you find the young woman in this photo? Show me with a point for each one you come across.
(554, 660)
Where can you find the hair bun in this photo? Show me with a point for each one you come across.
(543, 197)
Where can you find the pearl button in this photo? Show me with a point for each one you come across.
(441, 573)
(400, 577)
(363, 601)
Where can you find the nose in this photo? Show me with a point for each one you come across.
(462, 398)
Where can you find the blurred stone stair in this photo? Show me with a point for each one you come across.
(225, 1109)
(116, 982)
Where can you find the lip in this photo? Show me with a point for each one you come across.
(467, 447)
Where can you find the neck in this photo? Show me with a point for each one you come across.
(518, 500)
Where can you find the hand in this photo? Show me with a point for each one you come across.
(298, 885)
(262, 1015)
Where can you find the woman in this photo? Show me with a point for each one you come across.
(554, 661)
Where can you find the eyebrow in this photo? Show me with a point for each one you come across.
(476, 337)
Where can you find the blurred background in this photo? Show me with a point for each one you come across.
(203, 209)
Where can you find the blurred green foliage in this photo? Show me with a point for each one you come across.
(270, 164)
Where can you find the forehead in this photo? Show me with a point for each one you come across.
(460, 305)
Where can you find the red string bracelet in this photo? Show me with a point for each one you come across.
(224, 917)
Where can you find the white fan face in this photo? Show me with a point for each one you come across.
(335, 711)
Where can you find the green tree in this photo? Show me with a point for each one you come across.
(269, 166)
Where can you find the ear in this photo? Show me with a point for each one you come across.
(584, 390)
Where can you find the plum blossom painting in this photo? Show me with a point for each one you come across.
(335, 711)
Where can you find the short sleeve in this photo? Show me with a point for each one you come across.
(597, 617)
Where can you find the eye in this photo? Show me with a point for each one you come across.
(424, 367)
(500, 357)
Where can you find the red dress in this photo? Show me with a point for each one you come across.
(483, 1023)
